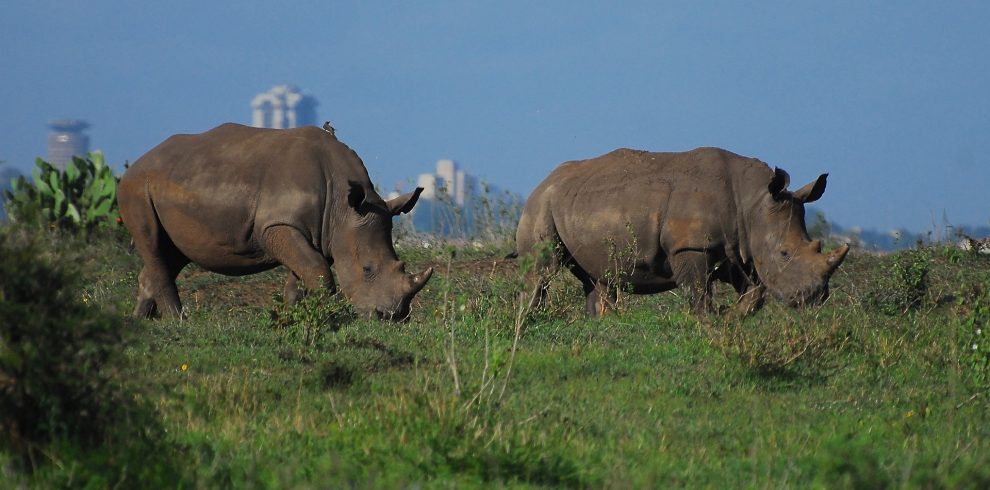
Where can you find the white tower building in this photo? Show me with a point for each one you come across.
(66, 140)
(283, 107)
(429, 184)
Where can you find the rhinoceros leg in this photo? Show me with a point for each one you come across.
(290, 248)
(291, 292)
(157, 292)
(691, 271)
(750, 299)
(599, 298)
(750, 290)
(538, 283)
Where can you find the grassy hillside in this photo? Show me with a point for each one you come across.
(886, 385)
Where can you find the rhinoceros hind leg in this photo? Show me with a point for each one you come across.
(600, 298)
(146, 307)
(547, 259)
(290, 248)
(537, 286)
(691, 272)
(157, 292)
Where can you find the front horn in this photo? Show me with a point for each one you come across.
(419, 280)
(835, 257)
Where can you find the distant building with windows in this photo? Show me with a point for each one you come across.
(283, 107)
(447, 183)
(65, 140)
(455, 203)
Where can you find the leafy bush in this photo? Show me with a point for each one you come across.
(81, 197)
(974, 318)
(308, 318)
(62, 397)
(905, 285)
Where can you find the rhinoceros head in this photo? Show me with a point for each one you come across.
(369, 271)
(789, 263)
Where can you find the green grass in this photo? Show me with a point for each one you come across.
(652, 396)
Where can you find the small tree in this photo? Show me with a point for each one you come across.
(81, 197)
(820, 228)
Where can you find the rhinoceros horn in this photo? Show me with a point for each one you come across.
(835, 257)
(419, 280)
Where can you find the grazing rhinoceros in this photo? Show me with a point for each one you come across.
(239, 200)
(652, 221)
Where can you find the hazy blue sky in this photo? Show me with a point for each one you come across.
(891, 98)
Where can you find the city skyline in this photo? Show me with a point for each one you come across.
(889, 99)
(283, 106)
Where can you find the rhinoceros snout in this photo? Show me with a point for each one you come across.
(812, 297)
(399, 315)
(390, 298)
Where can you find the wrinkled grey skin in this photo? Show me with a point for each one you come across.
(239, 200)
(653, 221)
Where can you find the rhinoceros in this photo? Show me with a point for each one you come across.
(239, 200)
(650, 222)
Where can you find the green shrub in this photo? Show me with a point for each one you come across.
(63, 398)
(308, 318)
(974, 318)
(904, 286)
(81, 197)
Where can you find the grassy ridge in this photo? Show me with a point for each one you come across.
(871, 390)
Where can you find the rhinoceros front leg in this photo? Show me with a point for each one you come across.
(751, 299)
(691, 272)
(291, 292)
(290, 248)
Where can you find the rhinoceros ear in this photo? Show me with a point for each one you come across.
(812, 191)
(355, 194)
(779, 182)
(404, 203)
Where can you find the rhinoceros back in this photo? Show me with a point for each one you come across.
(649, 204)
(214, 193)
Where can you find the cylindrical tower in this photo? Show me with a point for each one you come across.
(66, 140)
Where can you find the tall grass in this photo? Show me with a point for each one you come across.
(477, 391)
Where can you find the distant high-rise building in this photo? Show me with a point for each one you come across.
(66, 140)
(283, 107)
(455, 203)
(444, 192)
(429, 184)
(448, 182)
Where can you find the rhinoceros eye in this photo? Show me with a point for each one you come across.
(785, 254)
(368, 272)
